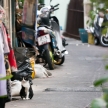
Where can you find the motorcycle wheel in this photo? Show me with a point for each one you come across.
(96, 41)
(59, 61)
(104, 41)
(49, 58)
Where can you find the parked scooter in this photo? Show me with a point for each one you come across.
(98, 28)
(43, 10)
(49, 40)
(51, 46)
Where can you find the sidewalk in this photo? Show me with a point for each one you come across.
(71, 85)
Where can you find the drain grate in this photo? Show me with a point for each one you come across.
(72, 90)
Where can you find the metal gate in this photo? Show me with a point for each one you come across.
(75, 18)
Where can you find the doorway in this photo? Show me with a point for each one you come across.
(75, 18)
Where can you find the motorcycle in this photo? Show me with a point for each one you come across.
(52, 45)
(49, 40)
(43, 10)
(99, 27)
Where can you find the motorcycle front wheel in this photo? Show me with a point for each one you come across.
(104, 41)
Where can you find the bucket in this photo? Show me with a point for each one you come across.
(83, 35)
(32, 62)
(90, 38)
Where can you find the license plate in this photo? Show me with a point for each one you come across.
(44, 39)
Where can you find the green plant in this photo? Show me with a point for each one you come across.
(101, 102)
(41, 1)
(100, 6)
(5, 78)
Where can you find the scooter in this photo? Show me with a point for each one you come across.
(49, 40)
(51, 47)
(100, 37)
(43, 10)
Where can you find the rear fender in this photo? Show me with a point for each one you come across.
(43, 48)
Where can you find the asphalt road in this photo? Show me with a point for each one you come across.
(71, 85)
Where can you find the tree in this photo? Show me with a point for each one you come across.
(41, 1)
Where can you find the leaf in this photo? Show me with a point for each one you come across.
(100, 81)
(106, 67)
(103, 24)
(98, 103)
(96, 4)
(7, 77)
(3, 96)
(104, 30)
(87, 21)
(105, 96)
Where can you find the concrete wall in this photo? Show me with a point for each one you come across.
(62, 12)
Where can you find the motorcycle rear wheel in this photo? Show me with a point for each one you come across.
(96, 41)
(49, 58)
(104, 41)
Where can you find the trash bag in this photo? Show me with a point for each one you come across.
(23, 53)
(20, 54)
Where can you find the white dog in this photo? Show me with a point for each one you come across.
(41, 72)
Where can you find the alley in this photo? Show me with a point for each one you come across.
(71, 85)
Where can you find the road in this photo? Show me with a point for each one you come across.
(71, 85)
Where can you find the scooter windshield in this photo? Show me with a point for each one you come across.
(56, 30)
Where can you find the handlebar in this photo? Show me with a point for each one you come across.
(56, 5)
(55, 9)
(52, 7)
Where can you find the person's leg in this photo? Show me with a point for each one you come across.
(2, 102)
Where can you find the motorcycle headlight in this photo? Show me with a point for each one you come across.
(44, 10)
